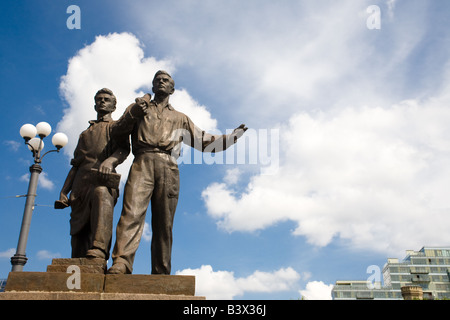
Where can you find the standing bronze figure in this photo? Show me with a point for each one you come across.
(93, 183)
(156, 132)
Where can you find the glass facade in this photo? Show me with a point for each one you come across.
(428, 268)
(360, 290)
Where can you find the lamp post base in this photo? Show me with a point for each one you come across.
(18, 261)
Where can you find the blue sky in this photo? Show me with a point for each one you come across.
(356, 119)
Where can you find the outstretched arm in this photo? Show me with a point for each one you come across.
(216, 143)
(207, 142)
(238, 132)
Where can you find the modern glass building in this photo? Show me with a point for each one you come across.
(361, 290)
(428, 268)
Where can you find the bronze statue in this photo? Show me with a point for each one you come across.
(93, 182)
(156, 132)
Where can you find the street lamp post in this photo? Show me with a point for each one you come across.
(35, 144)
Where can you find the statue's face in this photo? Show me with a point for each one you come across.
(104, 103)
(162, 83)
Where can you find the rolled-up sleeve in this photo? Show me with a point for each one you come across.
(78, 154)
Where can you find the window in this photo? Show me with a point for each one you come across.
(420, 277)
(346, 294)
(443, 287)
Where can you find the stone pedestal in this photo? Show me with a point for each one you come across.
(85, 279)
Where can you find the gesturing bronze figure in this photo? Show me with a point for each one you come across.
(93, 183)
(156, 132)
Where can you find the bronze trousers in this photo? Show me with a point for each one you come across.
(153, 177)
(97, 231)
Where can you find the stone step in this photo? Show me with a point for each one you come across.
(53, 281)
(79, 261)
(85, 265)
(154, 284)
(83, 269)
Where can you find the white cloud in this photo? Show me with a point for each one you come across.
(13, 145)
(7, 254)
(147, 233)
(115, 61)
(45, 254)
(317, 290)
(43, 181)
(391, 8)
(223, 285)
(376, 177)
(264, 62)
(356, 163)
(183, 102)
(232, 176)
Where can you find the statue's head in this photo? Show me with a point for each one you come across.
(105, 101)
(163, 83)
